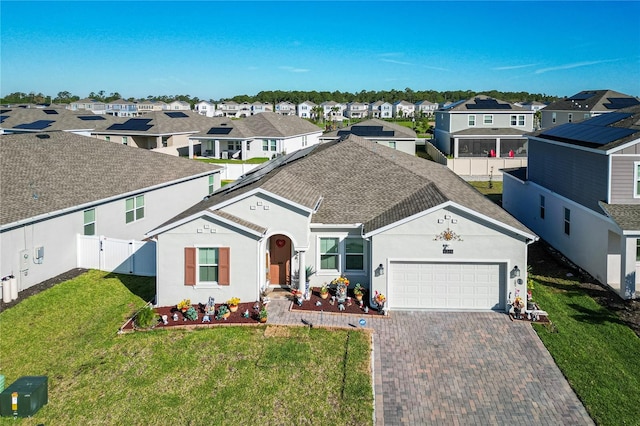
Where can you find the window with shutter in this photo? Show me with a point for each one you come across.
(189, 266)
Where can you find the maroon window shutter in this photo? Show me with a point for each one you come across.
(189, 266)
(223, 266)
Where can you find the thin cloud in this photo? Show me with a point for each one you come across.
(292, 69)
(574, 65)
(435, 68)
(513, 67)
(393, 61)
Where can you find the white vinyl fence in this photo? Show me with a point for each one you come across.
(120, 256)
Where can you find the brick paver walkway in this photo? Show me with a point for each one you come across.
(458, 368)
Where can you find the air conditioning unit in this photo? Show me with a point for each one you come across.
(225, 155)
(24, 397)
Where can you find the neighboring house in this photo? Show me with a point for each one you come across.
(403, 109)
(581, 194)
(381, 132)
(286, 108)
(166, 131)
(151, 106)
(88, 104)
(306, 110)
(205, 108)
(228, 109)
(262, 135)
(533, 106)
(122, 108)
(260, 107)
(333, 111)
(482, 127)
(381, 109)
(244, 110)
(35, 120)
(179, 106)
(57, 186)
(425, 108)
(356, 110)
(584, 105)
(399, 225)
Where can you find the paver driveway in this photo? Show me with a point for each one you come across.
(458, 368)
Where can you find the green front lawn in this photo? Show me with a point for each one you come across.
(222, 375)
(596, 352)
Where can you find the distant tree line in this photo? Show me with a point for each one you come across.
(296, 96)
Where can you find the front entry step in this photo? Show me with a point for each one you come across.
(278, 293)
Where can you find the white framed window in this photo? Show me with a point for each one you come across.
(487, 119)
(330, 253)
(211, 184)
(521, 120)
(90, 222)
(471, 120)
(273, 145)
(636, 177)
(354, 254)
(107, 138)
(207, 265)
(514, 120)
(134, 208)
(542, 206)
(567, 221)
(392, 144)
(570, 118)
(125, 140)
(554, 117)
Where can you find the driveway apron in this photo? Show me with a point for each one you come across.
(458, 368)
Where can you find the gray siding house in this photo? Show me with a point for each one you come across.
(581, 193)
(381, 132)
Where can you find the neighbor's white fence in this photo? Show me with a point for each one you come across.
(120, 256)
(235, 170)
(484, 166)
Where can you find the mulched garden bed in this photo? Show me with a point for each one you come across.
(235, 318)
(326, 306)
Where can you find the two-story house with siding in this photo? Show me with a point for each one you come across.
(482, 127)
(122, 108)
(285, 108)
(584, 105)
(333, 111)
(179, 106)
(356, 110)
(403, 109)
(425, 108)
(59, 189)
(228, 109)
(581, 193)
(205, 108)
(380, 109)
(259, 107)
(306, 110)
(88, 104)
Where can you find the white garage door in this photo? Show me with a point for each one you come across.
(455, 286)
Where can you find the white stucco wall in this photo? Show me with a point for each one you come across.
(481, 241)
(205, 232)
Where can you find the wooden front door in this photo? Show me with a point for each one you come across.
(280, 267)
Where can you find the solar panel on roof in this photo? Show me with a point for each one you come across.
(606, 119)
(36, 125)
(617, 103)
(136, 124)
(3, 117)
(219, 130)
(50, 111)
(176, 114)
(367, 131)
(585, 133)
(581, 96)
(487, 104)
(4, 111)
(91, 117)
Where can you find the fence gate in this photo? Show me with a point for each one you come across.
(120, 256)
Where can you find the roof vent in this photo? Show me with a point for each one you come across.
(43, 136)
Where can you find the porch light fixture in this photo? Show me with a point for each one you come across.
(515, 272)
(381, 269)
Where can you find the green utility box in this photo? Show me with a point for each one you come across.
(24, 397)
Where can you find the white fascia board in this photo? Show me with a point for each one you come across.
(335, 225)
(503, 225)
(263, 192)
(197, 215)
(624, 146)
(95, 203)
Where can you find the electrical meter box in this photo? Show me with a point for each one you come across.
(24, 397)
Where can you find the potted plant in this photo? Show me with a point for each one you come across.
(223, 312)
(358, 291)
(183, 305)
(233, 303)
(146, 318)
(324, 291)
(262, 315)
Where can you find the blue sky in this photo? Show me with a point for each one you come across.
(215, 49)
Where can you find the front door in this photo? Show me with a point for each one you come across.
(280, 264)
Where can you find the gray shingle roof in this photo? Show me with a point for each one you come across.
(264, 124)
(626, 216)
(67, 170)
(62, 120)
(361, 182)
(474, 106)
(587, 100)
(399, 131)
